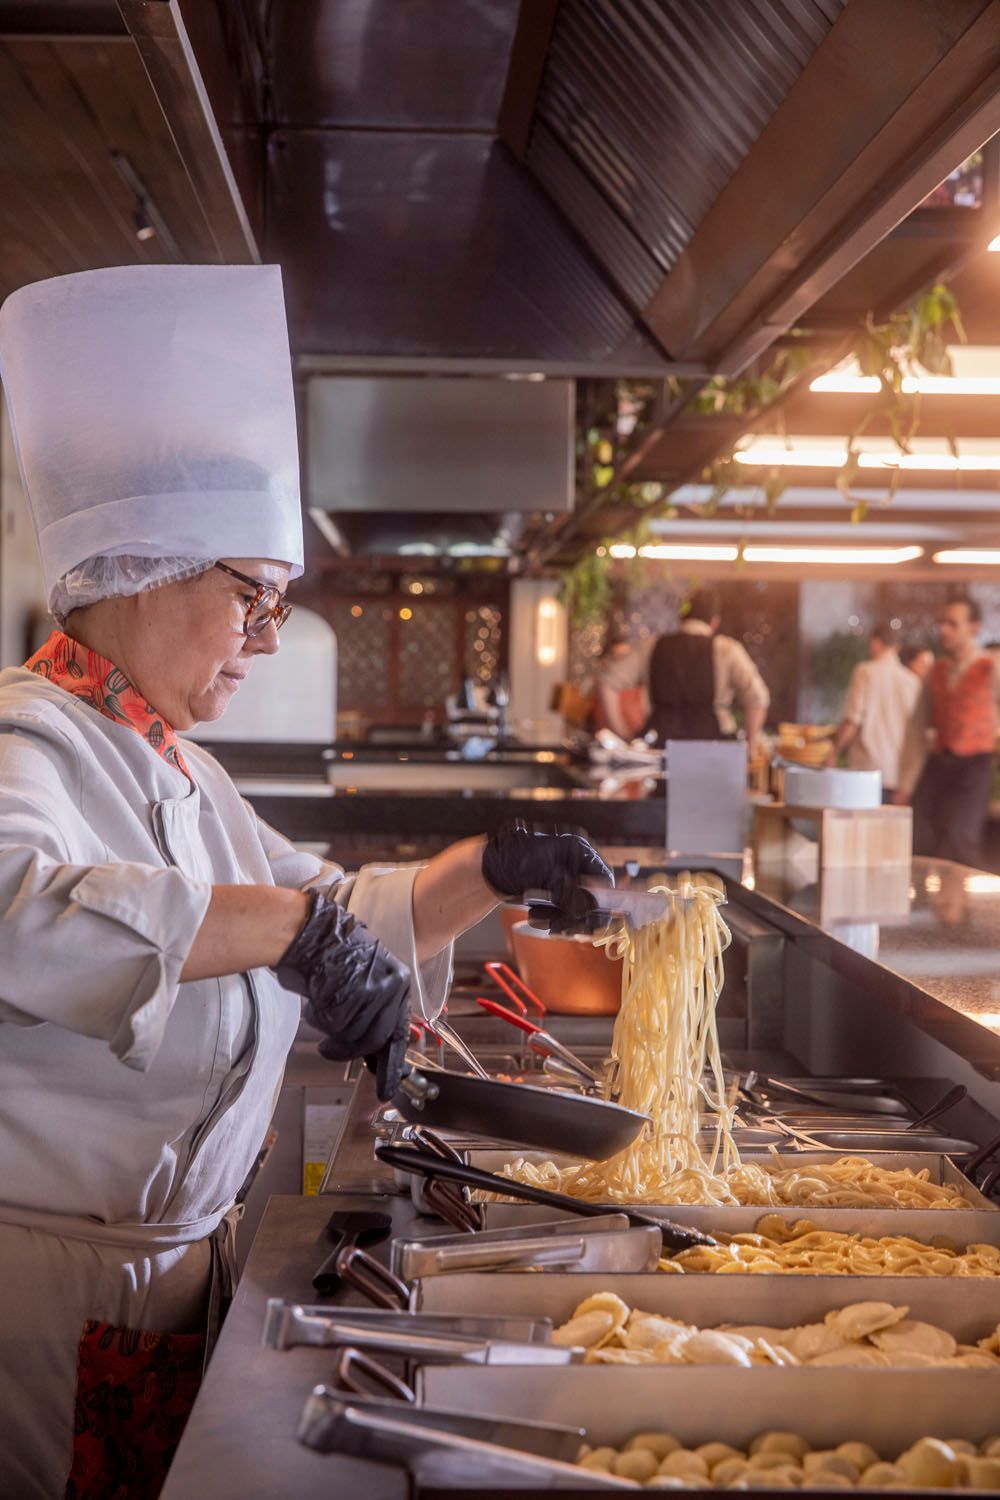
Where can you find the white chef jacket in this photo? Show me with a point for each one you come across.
(132, 1105)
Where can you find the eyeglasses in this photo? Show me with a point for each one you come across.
(266, 605)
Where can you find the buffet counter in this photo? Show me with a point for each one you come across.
(913, 1008)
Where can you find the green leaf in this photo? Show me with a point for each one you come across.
(603, 475)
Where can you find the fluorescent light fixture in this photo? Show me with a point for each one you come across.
(770, 454)
(695, 552)
(846, 556)
(982, 885)
(547, 633)
(973, 556)
(678, 551)
(689, 552)
(842, 384)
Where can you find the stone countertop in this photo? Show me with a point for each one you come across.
(931, 931)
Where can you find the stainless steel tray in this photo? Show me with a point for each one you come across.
(968, 1307)
(940, 1168)
(954, 1228)
(888, 1408)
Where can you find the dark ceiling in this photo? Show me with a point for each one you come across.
(596, 187)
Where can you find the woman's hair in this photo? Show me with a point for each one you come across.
(109, 577)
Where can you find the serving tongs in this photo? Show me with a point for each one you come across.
(763, 1093)
(608, 1243)
(542, 1042)
(427, 1338)
(601, 907)
(673, 1236)
(406, 1435)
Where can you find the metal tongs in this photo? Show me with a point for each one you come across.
(542, 1042)
(426, 1338)
(409, 1435)
(608, 1243)
(602, 906)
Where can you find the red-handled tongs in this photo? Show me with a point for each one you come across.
(513, 986)
(541, 1041)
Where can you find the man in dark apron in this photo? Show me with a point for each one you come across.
(695, 675)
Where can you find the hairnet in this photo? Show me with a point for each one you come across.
(108, 577)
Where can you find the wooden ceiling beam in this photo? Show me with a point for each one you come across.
(158, 29)
(535, 22)
(897, 93)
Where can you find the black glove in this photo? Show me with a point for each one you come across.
(519, 859)
(356, 990)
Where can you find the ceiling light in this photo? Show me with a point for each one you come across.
(974, 556)
(846, 556)
(678, 551)
(994, 243)
(774, 454)
(689, 552)
(841, 384)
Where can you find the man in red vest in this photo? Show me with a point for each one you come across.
(959, 708)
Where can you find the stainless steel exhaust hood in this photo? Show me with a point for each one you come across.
(431, 446)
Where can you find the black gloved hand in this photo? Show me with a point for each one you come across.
(518, 859)
(356, 991)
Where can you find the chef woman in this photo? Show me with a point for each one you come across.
(154, 935)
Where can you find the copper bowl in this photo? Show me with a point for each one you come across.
(568, 974)
(509, 917)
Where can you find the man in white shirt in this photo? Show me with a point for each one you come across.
(882, 698)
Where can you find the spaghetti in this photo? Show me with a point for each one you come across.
(666, 1064)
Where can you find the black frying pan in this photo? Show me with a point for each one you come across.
(675, 1236)
(518, 1112)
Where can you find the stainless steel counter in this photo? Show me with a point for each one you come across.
(240, 1441)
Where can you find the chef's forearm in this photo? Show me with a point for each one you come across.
(245, 927)
(449, 895)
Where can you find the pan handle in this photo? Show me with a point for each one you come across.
(363, 1375)
(418, 1088)
(373, 1280)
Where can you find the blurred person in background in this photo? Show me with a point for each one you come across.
(918, 660)
(948, 758)
(620, 700)
(696, 677)
(881, 700)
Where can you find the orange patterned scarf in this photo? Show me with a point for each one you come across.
(100, 683)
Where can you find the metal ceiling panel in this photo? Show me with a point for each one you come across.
(409, 245)
(416, 65)
(657, 102)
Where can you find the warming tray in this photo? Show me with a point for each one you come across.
(702, 1403)
(954, 1227)
(968, 1307)
(737, 1217)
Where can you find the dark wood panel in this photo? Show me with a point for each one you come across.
(798, 211)
(65, 106)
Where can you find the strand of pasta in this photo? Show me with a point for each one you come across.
(666, 1063)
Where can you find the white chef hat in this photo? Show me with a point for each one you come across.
(153, 415)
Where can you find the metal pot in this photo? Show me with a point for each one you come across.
(567, 972)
